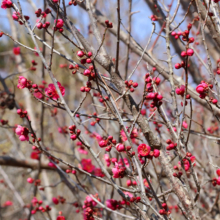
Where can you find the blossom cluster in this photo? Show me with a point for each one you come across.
(37, 204)
(50, 91)
(22, 132)
(89, 208)
(6, 4)
(144, 152)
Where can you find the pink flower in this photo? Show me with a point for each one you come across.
(6, 4)
(146, 184)
(98, 137)
(190, 52)
(87, 165)
(15, 15)
(79, 143)
(22, 132)
(82, 150)
(134, 134)
(107, 160)
(122, 162)
(156, 80)
(23, 138)
(114, 160)
(123, 135)
(180, 90)
(39, 25)
(7, 203)
(16, 50)
(60, 130)
(129, 183)
(63, 65)
(59, 23)
(34, 201)
(156, 153)
(90, 202)
(151, 95)
(143, 150)
(38, 95)
(80, 54)
(129, 194)
(202, 89)
(55, 200)
(214, 101)
(103, 143)
(61, 218)
(112, 204)
(50, 164)
(177, 66)
(30, 180)
(18, 130)
(52, 93)
(22, 82)
(193, 158)
(35, 155)
(120, 147)
(185, 125)
(218, 181)
(186, 164)
(98, 172)
(143, 111)
(118, 171)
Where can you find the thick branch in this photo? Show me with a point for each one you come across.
(209, 23)
(33, 164)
